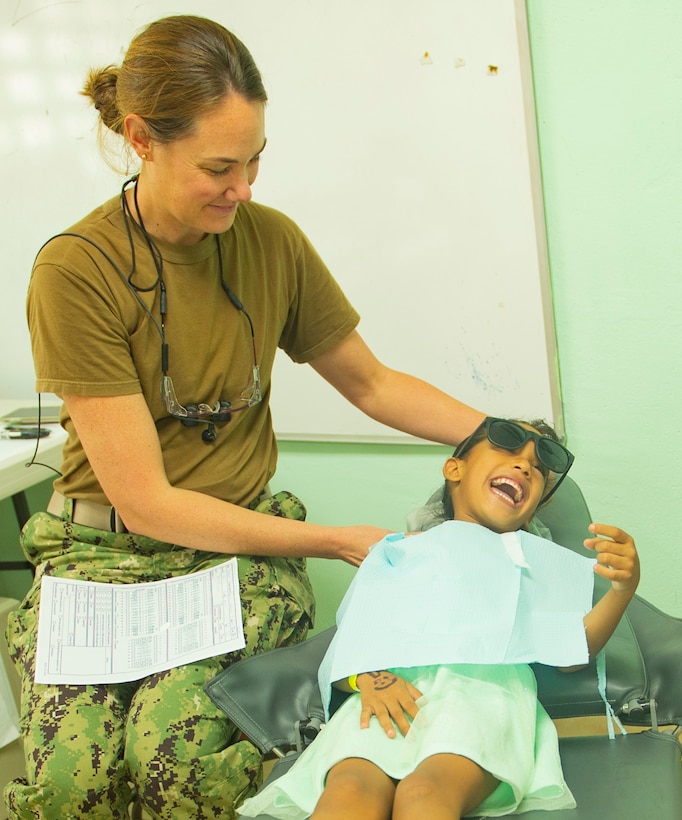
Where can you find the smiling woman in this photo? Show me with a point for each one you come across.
(194, 185)
(182, 274)
(199, 148)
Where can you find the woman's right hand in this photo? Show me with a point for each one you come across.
(356, 542)
(122, 446)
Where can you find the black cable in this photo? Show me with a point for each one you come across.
(33, 461)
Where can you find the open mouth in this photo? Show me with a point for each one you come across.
(508, 490)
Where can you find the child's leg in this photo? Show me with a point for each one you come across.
(443, 786)
(355, 788)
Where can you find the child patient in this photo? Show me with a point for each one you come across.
(434, 637)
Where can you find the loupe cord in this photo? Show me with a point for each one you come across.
(33, 461)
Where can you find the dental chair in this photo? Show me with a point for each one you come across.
(274, 699)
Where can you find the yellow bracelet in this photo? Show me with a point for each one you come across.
(353, 683)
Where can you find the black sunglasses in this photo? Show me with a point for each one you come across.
(512, 436)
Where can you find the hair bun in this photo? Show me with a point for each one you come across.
(100, 89)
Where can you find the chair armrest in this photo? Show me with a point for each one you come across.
(272, 696)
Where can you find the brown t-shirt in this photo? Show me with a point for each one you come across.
(92, 337)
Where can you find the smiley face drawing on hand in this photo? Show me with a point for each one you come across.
(382, 680)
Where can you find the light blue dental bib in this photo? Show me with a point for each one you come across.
(460, 593)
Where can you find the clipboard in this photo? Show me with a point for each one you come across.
(49, 414)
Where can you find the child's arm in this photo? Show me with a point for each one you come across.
(617, 560)
(389, 697)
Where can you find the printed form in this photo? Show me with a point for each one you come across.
(112, 633)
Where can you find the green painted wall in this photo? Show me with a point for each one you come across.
(608, 79)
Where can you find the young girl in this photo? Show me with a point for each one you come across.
(435, 634)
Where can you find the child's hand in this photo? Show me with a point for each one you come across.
(390, 698)
(617, 558)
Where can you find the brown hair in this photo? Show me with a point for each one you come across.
(175, 70)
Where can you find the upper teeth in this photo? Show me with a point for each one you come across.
(508, 484)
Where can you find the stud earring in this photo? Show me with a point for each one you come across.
(143, 156)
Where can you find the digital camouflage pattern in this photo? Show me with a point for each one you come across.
(90, 749)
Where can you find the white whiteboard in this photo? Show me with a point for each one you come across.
(401, 138)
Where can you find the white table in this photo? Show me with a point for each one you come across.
(15, 454)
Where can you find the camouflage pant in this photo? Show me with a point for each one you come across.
(88, 749)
